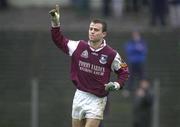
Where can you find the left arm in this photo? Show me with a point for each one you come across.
(121, 69)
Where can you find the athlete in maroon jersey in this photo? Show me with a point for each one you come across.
(91, 65)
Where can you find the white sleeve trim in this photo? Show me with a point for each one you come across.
(115, 66)
(72, 45)
(117, 85)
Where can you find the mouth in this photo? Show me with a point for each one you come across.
(91, 36)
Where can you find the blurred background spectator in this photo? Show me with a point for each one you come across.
(113, 8)
(129, 5)
(136, 54)
(106, 8)
(174, 12)
(82, 7)
(159, 10)
(135, 5)
(117, 7)
(3, 4)
(143, 104)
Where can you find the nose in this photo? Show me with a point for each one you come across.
(92, 31)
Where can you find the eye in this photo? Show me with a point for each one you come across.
(95, 29)
(90, 29)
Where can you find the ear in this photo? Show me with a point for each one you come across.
(104, 34)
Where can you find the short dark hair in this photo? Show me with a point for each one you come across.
(104, 24)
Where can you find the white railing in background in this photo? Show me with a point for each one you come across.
(156, 105)
(34, 102)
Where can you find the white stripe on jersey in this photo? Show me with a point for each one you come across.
(72, 45)
(116, 63)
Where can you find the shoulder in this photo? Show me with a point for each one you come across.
(110, 48)
(83, 43)
(111, 51)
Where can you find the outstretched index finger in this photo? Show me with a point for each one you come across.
(57, 8)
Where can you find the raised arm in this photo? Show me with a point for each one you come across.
(66, 45)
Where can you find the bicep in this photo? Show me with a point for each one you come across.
(115, 66)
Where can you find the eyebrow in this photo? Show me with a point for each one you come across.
(96, 29)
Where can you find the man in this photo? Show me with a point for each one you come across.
(136, 52)
(3, 4)
(159, 9)
(91, 65)
(174, 11)
(142, 104)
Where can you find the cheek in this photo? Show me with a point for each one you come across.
(101, 35)
(98, 36)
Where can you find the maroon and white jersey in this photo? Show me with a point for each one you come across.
(91, 68)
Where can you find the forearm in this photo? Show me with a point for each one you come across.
(121, 69)
(59, 39)
(56, 34)
(123, 75)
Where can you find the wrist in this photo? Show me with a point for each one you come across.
(117, 85)
(55, 24)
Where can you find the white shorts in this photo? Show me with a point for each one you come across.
(87, 105)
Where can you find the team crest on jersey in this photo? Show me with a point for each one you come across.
(84, 54)
(103, 59)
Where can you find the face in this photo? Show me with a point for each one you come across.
(136, 36)
(95, 32)
(144, 84)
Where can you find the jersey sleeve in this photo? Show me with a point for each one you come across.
(66, 45)
(72, 46)
(121, 69)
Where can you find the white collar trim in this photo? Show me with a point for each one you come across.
(98, 49)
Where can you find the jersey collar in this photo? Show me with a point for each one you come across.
(103, 44)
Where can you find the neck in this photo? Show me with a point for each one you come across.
(96, 45)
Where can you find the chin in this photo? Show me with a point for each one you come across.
(93, 41)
